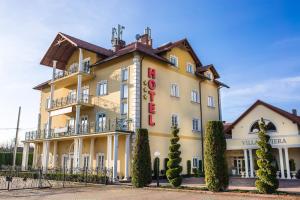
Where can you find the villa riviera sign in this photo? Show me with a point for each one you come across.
(272, 141)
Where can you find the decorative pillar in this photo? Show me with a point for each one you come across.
(34, 155)
(115, 164)
(54, 154)
(281, 163)
(287, 163)
(246, 163)
(75, 150)
(127, 157)
(25, 156)
(49, 121)
(136, 101)
(109, 146)
(79, 154)
(78, 94)
(92, 146)
(45, 158)
(251, 163)
(77, 120)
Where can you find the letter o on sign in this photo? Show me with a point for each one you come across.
(151, 84)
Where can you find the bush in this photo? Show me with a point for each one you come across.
(188, 167)
(292, 165)
(266, 182)
(174, 168)
(216, 174)
(141, 165)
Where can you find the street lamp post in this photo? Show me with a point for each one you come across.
(156, 155)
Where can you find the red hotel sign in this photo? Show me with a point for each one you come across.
(151, 92)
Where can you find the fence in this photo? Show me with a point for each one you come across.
(54, 178)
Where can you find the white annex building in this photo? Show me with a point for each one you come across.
(284, 129)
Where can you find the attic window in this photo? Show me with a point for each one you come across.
(209, 75)
(270, 127)
(174, 60)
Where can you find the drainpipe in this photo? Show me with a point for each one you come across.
(219, 104)
(201, 119)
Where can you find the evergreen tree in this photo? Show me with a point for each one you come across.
(215, 165)
(174, 169)
(267, 182)
(141, 166)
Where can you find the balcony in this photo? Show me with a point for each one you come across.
(69, 101)
(110, 125)
(66, 78)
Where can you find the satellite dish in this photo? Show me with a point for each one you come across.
(137, 36)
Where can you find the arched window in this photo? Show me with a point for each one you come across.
(270, 127)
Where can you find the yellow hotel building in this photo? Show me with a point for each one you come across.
(98, 97)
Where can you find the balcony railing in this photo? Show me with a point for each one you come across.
(69, 100)
(103, 126)
(72, 70)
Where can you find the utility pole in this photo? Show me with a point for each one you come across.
(16, 140)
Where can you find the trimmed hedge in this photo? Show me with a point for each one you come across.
(141, 165)
(267, 182)
(174, 168)
(215, 165)
(6, 158)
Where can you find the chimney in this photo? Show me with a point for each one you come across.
(145, 38)
(294, 112)
(116, 38)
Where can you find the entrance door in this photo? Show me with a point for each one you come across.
(71, 125)
(239, 165)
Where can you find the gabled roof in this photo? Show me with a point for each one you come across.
(290, 116)
(209, 67)
(63, 47)
(185, 43)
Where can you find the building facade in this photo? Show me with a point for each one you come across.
(98, 97)
(284, 130)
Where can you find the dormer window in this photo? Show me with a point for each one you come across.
(209, 75)
(190, 68)
(269, 125)
(174, 60)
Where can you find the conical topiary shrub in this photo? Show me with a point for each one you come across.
(141, 165)
(267, 182)
(174, 168)
(215, 165)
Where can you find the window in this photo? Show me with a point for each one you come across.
(86, 65)
(174, 60)
(48, 105)
(124, 74)
(73, 68)
(100, 161)
(196, 162)
(269, 125)
(84, 124)
(124, 91)
(211, 102)
(209, 75)
(86, 160)
(100, 122)
(124, 108)
(196, 124)
(102, 88)
(174, 90)
(195, 96)
(174, 120)
(189, 68)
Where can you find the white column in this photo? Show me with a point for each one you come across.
(49, 121)
(78, 94)
(79, 155)
(54, 154)
(35, 153)
(115, 164)
(80, 59)
(281, 163)
(287, 163)
(45, 158)
(251, 163)
(127, 157)
(25, 156)
(92, 146)
(246, 163)
(77, 120)
(75, 153)
(136, 101)
(109, 147)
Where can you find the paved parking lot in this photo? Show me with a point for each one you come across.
(126, 193)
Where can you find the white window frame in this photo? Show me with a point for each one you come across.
(124, 93)
(176, 60)
(103, 124)
(175, 92)
(189, 65)
(210, 102)
(103, 160)
(196, 98)
(100, 84)
(124, 109)
(177, 119)
(124, 74)
(198, 124)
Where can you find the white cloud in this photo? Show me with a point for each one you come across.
(238, 99)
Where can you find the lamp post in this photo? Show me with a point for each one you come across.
(156, 155)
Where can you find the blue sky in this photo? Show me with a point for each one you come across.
(255, 45)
